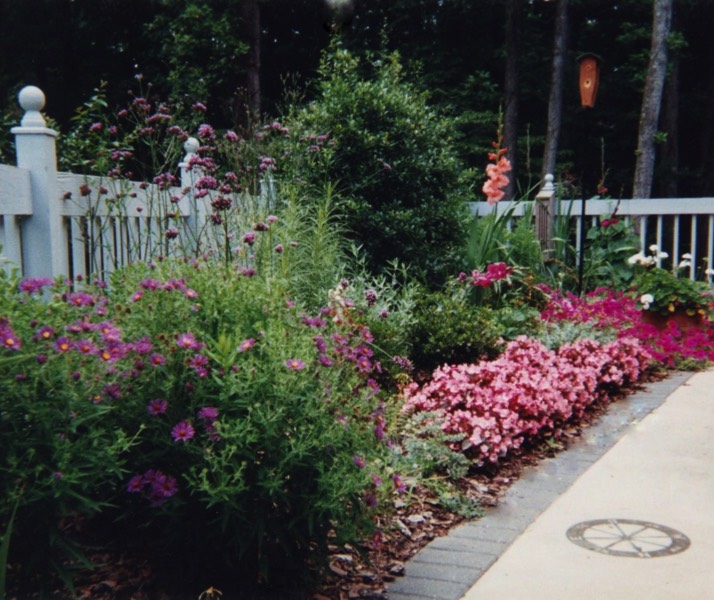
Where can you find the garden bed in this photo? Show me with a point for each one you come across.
(360, 571)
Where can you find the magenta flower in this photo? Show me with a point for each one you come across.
(398, 484)
(208, 413)
(246, 345)
(86, 347)
(165, 488)
(295, 364)
(325, 360)
(182, 432)
(44, 333)
(157, 407)
(188, 341)
(359, 461)
(135, 485)
(63, 344)
(150, 284)
(33, 285)
(9, 339)
(249, 238)
(80, 299)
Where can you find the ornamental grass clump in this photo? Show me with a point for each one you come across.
(525, 393)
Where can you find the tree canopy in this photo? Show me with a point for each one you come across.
(454, 50)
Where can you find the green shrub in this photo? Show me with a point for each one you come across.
(392, 158)
(451, 330)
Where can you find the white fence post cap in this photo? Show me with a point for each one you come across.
(32, 101)
(548, 185)
(191, 146)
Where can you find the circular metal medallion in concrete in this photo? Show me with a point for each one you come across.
(628, 537)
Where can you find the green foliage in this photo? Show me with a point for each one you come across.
(557, 333)
(62, 454)
(609, 244)
(428, 450)
(450, 329)
(391, 156)
(661, 291)
(201, 64)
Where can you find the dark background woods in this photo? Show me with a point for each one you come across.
(241, 56)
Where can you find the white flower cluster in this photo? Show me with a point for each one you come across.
(646, 300)
(648, 261)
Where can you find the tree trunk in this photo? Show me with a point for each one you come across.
(510, 114)
(248, 97)
(652, 99)
(670, 125)
(555, 100)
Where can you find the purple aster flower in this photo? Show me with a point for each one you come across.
(150, 284)
(143, 346)
(9, 339)
(86, 347)
(325, 360)
(165, 488)
(320, 344)
(208, 413)
(364, 365)
(135, 485)
(34, 285)
(246, 345)
(182, 432)
(63, 344)
(371, 297)
(199, 363)
(295, 364)
(359, 461)
(44, 333)
(80, 299)
(188, 341)
(403, 363)
(398, 484)
(249, 238)
(157, 360)
(157, 406)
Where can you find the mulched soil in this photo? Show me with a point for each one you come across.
(354, 572)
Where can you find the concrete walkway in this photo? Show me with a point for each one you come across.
(625, 513)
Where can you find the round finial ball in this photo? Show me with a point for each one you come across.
(31, 98)
(191, 145)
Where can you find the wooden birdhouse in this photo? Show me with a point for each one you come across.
(589, 78)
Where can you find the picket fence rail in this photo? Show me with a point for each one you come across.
(50, 226)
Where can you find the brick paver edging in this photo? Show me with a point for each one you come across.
(448, 567)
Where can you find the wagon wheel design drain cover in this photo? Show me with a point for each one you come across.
(628, 537)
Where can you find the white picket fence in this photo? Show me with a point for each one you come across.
(50, 228)
(677, 226)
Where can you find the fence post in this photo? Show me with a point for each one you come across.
(545, 213)
(44, 249)
(189, 175)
